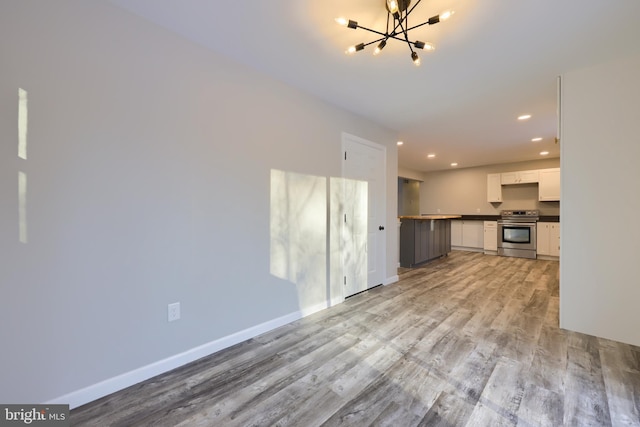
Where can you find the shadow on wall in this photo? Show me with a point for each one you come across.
(311, 244)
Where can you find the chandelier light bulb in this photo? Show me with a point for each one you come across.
(347, 22)
(392, 5)
(446, 15)
(424, 45)
(353, 49)
(380, 46)
(415, 58)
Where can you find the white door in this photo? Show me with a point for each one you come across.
(364, 162)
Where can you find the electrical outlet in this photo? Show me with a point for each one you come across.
(173, 311)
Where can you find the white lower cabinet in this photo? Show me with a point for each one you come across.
(456, 232)
(548, 239)
(467, 234)
(491, 237)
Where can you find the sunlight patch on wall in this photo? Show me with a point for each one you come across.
(22, 123)
(298, 229)
(325, 258)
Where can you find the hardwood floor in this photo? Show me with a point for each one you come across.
(469, 339)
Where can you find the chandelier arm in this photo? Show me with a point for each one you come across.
(401, 27)
(406, 19)
(399, 38)
(375, 41)
(387, 38)
(372, 31)
(405, 32)
(395, 28)
(419, 25)
(388, 16)
(392, 35)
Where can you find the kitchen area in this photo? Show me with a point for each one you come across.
(503, 210)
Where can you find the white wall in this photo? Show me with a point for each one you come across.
(409, 174)
(464, 191)
(599, 281)
(148, 182)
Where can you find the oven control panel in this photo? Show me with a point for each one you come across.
(524, 214)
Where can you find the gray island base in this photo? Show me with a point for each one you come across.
(424, 238)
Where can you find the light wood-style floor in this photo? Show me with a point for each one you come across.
(469, 339)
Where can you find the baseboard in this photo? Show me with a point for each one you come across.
(111, 385)
(337, 300)
(467, 249)
(318, 307)
(390, 280)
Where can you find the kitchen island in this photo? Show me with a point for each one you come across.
(424, 238)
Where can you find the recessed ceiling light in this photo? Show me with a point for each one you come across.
(524, 117)
(544, 153)
(454, 164)
(536, 139)
(400, 142)
(431, 156)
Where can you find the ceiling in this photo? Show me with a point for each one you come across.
(494, 60)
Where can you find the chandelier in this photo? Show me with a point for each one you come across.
(397, 29)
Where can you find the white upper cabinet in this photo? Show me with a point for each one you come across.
(549, 186)
(548, 181)
(494, 187)
(519, 177)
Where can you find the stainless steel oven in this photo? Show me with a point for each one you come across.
(517, 233)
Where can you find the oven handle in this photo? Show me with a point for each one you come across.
(526, 224)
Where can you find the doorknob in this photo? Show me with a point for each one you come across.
(381, 228)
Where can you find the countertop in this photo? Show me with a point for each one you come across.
(542, 218)
(430, 217)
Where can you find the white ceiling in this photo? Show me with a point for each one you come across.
(494, 60)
